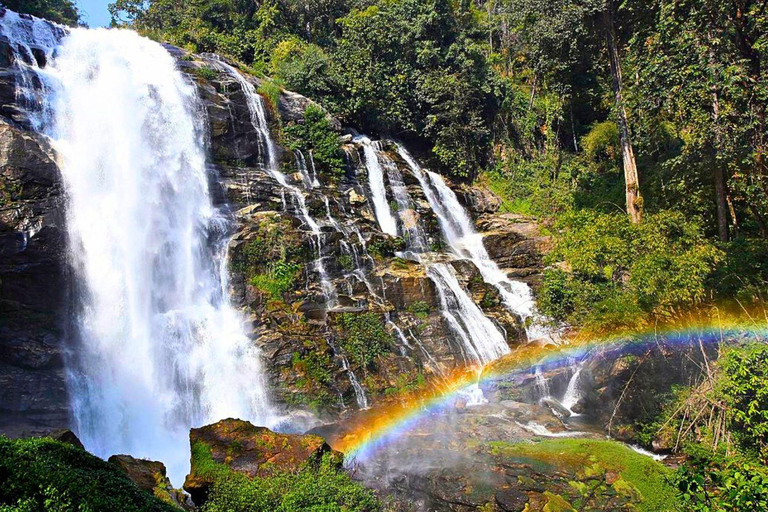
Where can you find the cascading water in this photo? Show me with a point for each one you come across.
(481, 339)
(381, 207)
(258, 116)
(161, 349)
(465, 242)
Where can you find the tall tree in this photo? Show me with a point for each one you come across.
(631, 180)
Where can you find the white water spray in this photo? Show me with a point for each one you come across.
(162, 349)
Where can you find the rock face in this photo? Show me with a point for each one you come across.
(248, 450)
(33, 283)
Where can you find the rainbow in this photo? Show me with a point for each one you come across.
(375, 428)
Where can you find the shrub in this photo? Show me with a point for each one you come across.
(271, 90)
(206, 73)
(316, 487)
(43, 474)
(419, 308)
(743, 385)
(618, 272)
(363, 337)
(316, 134)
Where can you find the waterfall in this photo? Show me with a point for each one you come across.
(32, 42)
(378, 189)
(572, 393)
(161, 349)
(482, 341)
(459, 232)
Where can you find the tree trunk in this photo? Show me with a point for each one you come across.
(721, 191)
(634, 200)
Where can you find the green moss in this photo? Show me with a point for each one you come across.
(271, 90)
(270, 260)
(279, 278)
(315, 365)
(43, 474)
(206, 73)
(316, 134)
(419, 308)
(363, 337)
(592, 458)
(345, 260)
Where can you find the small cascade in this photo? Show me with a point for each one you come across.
(403, 341)
(33, 41)
(381, 207)
(301, 165)
(572, 392)
(459, 232)
(360, 397)
(542, 385)
(258, 116)
(409, 219)
(482, 341)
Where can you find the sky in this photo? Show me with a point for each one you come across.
(94, 12)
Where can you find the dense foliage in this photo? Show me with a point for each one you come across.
(316, 487)
(621, 271)
(60, 11)
(43, 474)
(316, 134)
(720, 426)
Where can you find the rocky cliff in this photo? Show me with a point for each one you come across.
(383, 333)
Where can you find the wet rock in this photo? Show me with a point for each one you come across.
(511, 500)
(515, 243)
(250, 450)
(66, 436)
(479, 199)
(146, 474)
(32, 286)
(556, 407)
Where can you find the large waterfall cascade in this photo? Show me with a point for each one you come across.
(160, 347)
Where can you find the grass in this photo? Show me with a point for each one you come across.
(649, 477)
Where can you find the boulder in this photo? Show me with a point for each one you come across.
(150, 476)
(66, 436)
(249, 450)
(146, 474)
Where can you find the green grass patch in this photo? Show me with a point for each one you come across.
(647, 476)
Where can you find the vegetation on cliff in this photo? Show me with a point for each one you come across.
(60, 11)
(720, 424)
(44, 474)
(316, 486)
